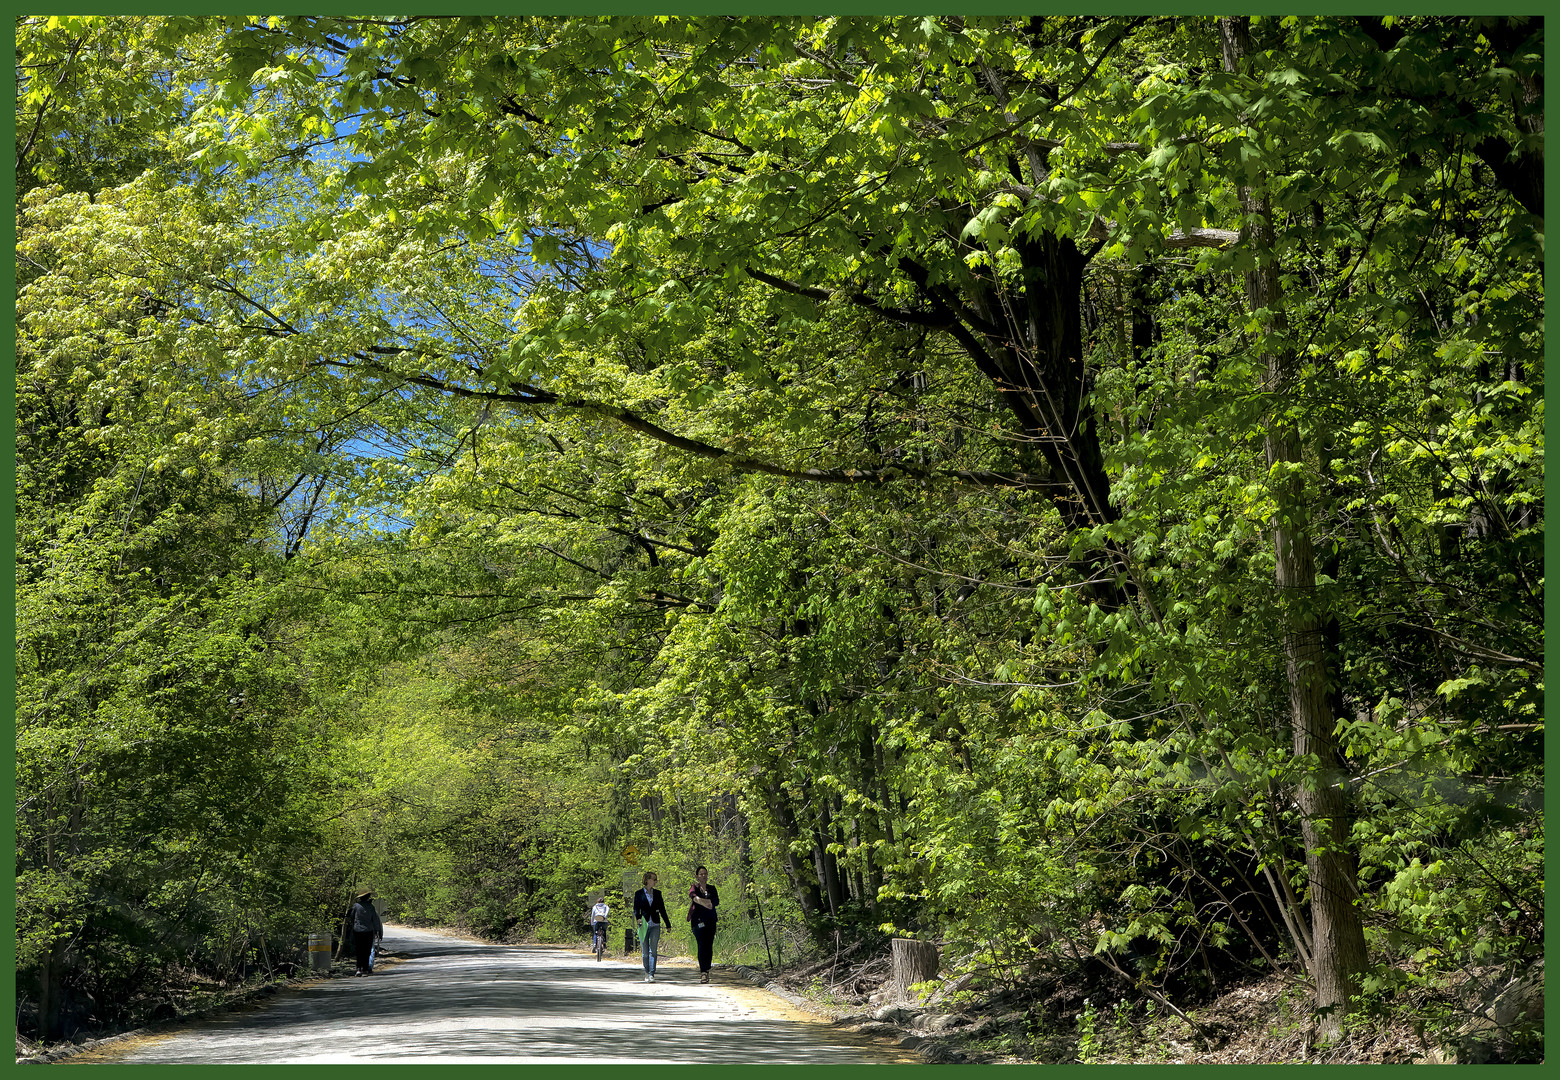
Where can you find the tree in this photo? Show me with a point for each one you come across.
(914, 409)
(166, 789)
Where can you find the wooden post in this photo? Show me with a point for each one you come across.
(914, 961)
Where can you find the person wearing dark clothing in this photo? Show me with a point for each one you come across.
(703, 899)
(650, 914)
(366, 930)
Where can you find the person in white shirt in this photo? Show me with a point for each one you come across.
(598, 927)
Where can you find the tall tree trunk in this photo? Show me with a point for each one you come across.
(828, 865)
(1337, 934)
(830, 891)
(1029, 345)
(803, 887)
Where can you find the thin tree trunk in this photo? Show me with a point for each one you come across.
(1337, 934)
(744, 851)
(858, 880)
(886, 818)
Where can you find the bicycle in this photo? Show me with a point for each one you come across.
(598, 940)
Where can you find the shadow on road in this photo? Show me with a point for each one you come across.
(446, 999)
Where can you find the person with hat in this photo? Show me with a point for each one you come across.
(367, 930)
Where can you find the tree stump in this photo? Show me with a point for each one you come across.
(914, 961)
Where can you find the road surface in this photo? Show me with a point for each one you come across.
(445, 998)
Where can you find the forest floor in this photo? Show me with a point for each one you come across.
(1049, 1020)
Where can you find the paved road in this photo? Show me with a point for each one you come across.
(442, 998)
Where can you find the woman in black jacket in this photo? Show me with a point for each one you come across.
(650, 915)
(703, 899)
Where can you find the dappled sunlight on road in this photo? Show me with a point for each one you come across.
(447, 998)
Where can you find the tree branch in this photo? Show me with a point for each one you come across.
(859, 298)
(882, 474)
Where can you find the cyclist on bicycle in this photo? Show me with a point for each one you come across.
(598, 927)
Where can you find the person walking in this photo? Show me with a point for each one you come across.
(650, 914)
(367, 930)
(703, 899)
